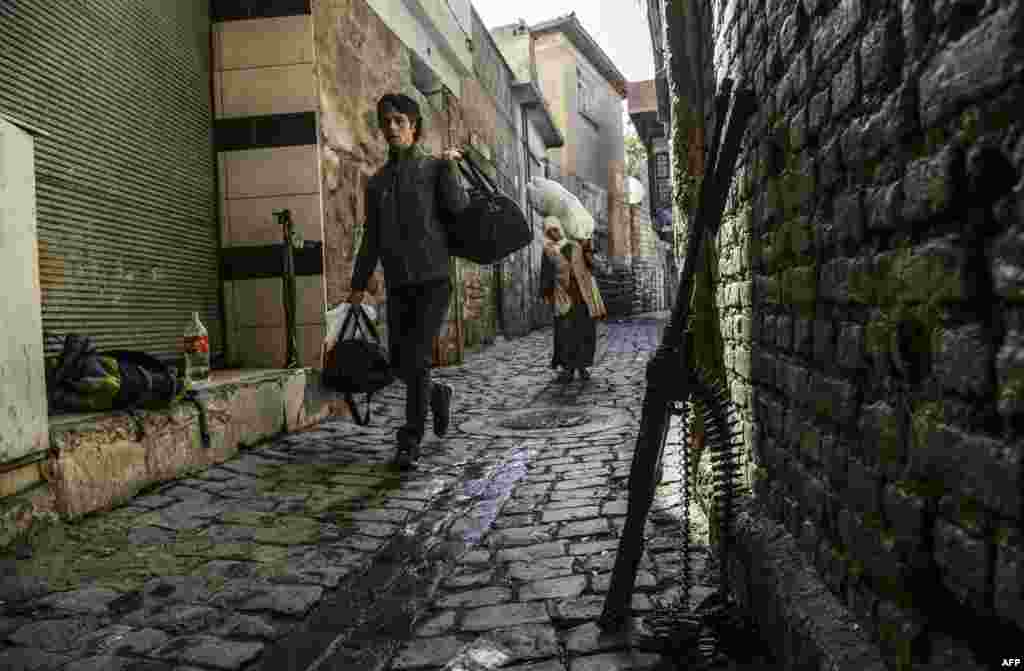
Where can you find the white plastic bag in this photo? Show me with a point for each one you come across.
(551, 199)
(335, 318)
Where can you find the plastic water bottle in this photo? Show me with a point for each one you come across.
(197, 351)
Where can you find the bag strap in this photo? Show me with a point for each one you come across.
(365, 419)
(366, 323)
(349, 316)
(481, 174)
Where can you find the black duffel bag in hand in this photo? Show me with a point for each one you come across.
(491, 227)
(357, 363)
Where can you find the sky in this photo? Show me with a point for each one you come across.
(618, 26)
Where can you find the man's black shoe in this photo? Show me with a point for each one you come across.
(407, 455)
(441, 396)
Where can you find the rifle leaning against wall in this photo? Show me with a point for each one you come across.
(671, 384)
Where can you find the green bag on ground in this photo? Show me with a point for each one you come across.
(84, 380)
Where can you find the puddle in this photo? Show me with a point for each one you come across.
(547, 419)
(377, 609)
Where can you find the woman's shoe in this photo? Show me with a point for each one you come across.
(584, 374)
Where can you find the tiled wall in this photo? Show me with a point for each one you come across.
(265, 97)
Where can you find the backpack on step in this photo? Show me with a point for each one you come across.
(84, 380)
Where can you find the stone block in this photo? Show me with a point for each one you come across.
(784, 332)
(850, 346)
(906, 513)
(885, 207)
(1007, 261)
(963, 561)
(835, 28)
(824, 341)
(803, 340)
(880, 52)
(989, 471)
(899, 632)
(1009, 603)
(849, 218)
(810, 445)
(931, 185)
(794, 27)
(1010, 374)
(790, 90)
(884, 440)
(863, 487)
(934, 271)
(897, 122)
(808, 541)
(97, 474)
(830, 166)
(846, 87)
(813, 495)
(294, 394)
(798, 129)
(836, 457)
(935, 451)
(819, 112)
(795, 421)
(961, 360)
(762, 367)
(795, 380)
(769, 331)
(985, 59)
(916, 21)
(874, 548)
(833, 399)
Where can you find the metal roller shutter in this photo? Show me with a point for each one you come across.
(125, 183)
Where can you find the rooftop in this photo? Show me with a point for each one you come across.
(581, 39)
(642, 96)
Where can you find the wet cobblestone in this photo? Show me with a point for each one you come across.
(312, 550)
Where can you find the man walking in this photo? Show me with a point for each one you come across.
(404, 231)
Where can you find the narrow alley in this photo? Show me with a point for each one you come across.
(312, 552)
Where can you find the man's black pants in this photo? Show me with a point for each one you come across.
(415, 315)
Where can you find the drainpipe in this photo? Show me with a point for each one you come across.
(528, 299)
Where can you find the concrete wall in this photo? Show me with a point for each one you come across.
(870, 297)
(594, 150)
(263, 69)
(514, 44)
(23, 412)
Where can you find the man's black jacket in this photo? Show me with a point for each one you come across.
(403, 228)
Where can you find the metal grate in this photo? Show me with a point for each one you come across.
(126, 190)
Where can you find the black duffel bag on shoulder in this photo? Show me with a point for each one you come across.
(491, 227)
(357, 364)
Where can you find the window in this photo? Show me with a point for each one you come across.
(664, 189)
(661, 165)
(585, 96)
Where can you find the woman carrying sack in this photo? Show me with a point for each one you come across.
(568, 285)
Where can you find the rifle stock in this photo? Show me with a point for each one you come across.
(668, 375)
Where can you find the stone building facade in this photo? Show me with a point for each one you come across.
(447, 61)
(871, 265)
(585, 91)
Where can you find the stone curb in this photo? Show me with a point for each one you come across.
(809, 627)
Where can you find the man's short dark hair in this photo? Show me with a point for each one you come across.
(403, 104)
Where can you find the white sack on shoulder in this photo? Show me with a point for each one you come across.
(551, 199)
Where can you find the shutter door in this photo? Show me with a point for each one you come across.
(125, 181)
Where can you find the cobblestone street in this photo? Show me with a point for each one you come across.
(312, 552)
